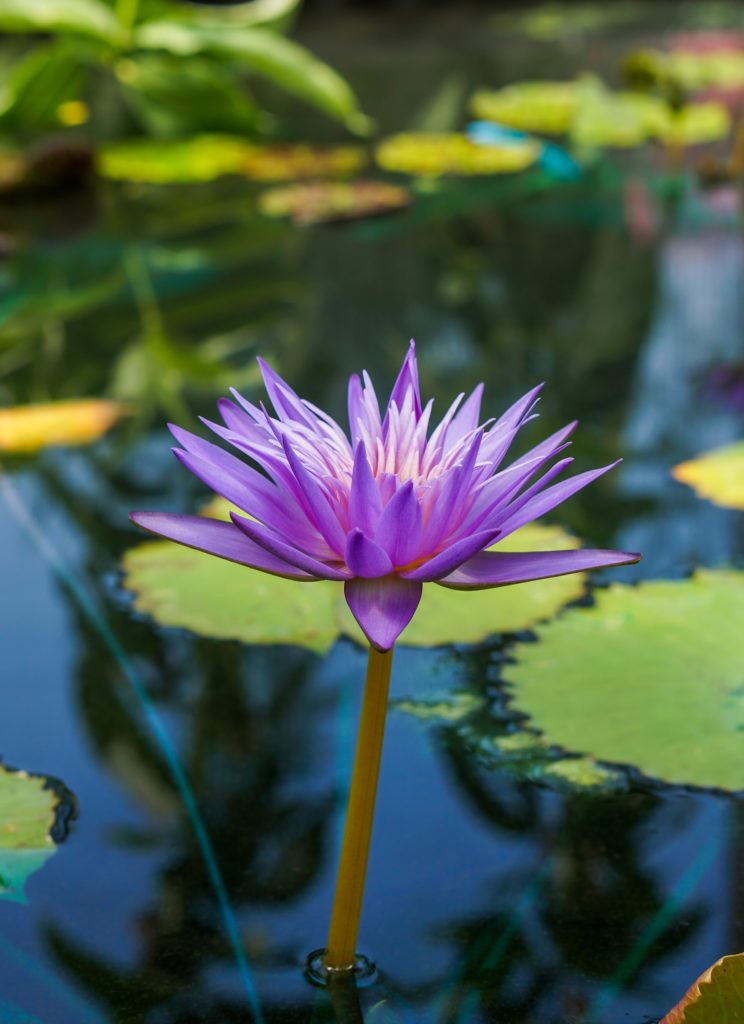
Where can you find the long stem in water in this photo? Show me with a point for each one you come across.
(352, 869)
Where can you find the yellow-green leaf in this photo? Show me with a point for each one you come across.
(27, 428)
(431, 154)
(717, 997)
(717, 475)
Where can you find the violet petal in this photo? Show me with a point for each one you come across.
(448, 560)
(266, 538)
(365, 558)
(382, 607)
(217, 538)
(500, 568)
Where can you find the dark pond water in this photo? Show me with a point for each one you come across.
(489, 898)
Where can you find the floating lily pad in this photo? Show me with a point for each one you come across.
(178, 586)
(318, 202)
(206, 157)
(27, 428)
(651, 676)
(285, 163)
(491, 745)
(201, 158)
(468, 616)
(434, 154)
(717, 997)
(690, 70)
(717, 475)
(530, 106)
(28, 813)
(592, 115)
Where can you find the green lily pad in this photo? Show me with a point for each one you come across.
(28, 813)
(492, 745)
(206, 157)
(178, 586)
(201, 158)
(468, 616)
(322, 202)
(650, 676)
(592, 115)
(717, 997)
(717, 475)
(432, 154)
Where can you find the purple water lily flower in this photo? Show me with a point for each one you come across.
(385, 512)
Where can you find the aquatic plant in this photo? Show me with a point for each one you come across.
(384, 512)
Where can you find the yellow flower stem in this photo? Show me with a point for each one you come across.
(347, 903)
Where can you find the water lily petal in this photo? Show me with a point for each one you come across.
(546, 500)
(316, 503)
(365, 558)
(406, 387)
(499, 568)
(452, 556)
(382, 607)
(399, 529)
(265, 538)
(365, 501)
(217, 538)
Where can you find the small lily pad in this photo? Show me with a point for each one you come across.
(178, 586)
(320, 202)
(717, 997)
(28, 815)
(650, 676)
(717, 475)
(28, 428)
(432, 154)
(299, 160)
(207, 157)
(530, 106)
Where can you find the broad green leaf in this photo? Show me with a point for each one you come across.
(282, 61)
(650, 676)
(717, 475)
(27, 815)
(320, 202)
(717, 997)
(467, 617)
(173, 97)
(27, 428)
(82, 17)
(181, 587)
(431, 154)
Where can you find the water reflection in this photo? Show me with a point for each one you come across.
(696, 326)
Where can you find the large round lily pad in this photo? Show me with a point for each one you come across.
(651, 676)
(717, 475)
(178, 586)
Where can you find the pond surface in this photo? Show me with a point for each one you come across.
(490, 897)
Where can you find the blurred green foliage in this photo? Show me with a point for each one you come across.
(155, 66)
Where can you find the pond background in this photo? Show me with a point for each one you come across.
(488, 897)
